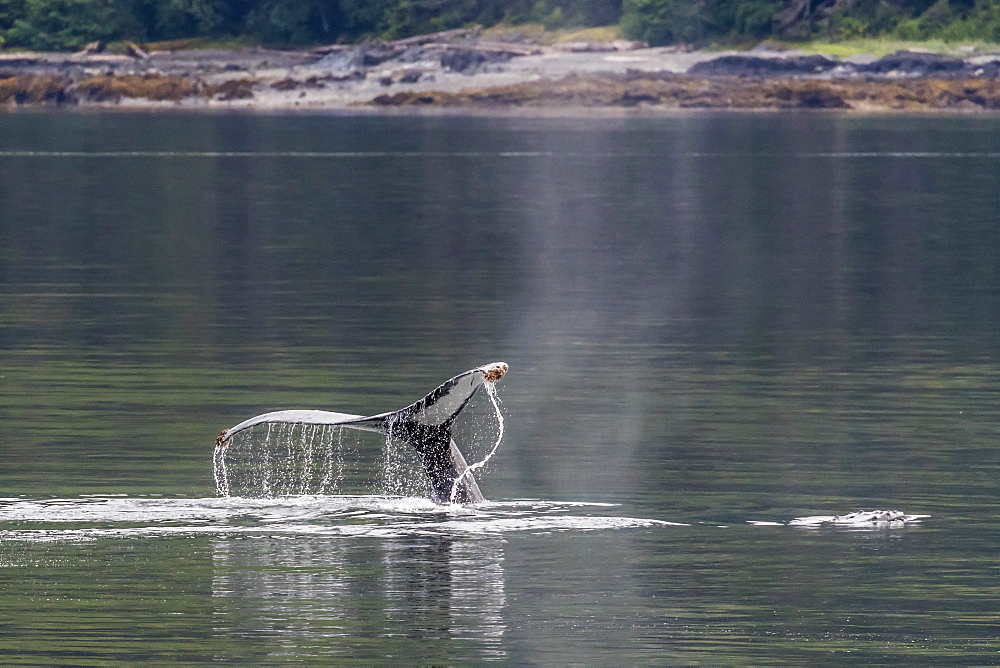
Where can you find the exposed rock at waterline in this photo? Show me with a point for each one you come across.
(35, 89)
(466, 72)
(900, 64)
(682, 92)
(58, 90)
(755, 66)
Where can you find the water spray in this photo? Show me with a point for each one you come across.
(426, 425)
(491, 392)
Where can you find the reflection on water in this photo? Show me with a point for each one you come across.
(310, 576)
(374, 577)
(433, 589)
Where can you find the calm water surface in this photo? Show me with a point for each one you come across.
(712, 320)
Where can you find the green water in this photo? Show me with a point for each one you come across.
(711, 320)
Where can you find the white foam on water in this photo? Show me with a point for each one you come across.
(101, 517)
(860, 519)
(94, 518)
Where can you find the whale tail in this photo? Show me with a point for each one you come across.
(426, 425)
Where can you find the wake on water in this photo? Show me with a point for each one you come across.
(97, 517)
(92, 518)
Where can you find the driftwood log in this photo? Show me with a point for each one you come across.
(444, 36)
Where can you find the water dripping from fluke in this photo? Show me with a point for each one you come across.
(491, 391)
(219, 470)
(426, 426)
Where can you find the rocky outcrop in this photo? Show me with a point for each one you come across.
(459, 71)
(682, 92)
(900, 64)
(755, 66)
(50, 89)
(468, 57)
(470, 61)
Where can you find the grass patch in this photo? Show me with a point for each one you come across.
(599, 34)
(878, 46)
(222, 44)
(536, 33)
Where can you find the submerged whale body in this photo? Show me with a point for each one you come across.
(426, 425)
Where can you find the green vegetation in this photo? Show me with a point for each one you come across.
(880, 46)
(70, 24)
(538, 33)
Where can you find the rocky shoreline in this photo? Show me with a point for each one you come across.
(460, 71)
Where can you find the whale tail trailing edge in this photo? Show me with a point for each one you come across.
(426, 425)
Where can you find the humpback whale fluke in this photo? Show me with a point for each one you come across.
(425, 425)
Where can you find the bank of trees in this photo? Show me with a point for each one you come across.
(69, 24)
